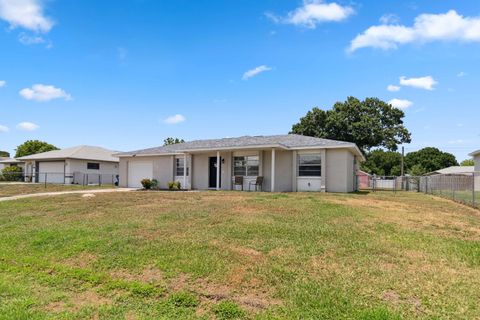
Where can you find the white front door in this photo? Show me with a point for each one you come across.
(137, 171)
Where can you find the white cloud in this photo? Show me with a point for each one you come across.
(41, 92)
(313, 12)
(389, 19)
(27, 126)
(3, 83)
(400, 104)
(449, 26)
(256, 71)
(29, 40)
(461, 74)
(175, 119)
(27, 14)
(426, 83)
(4, 128)
(393, 88)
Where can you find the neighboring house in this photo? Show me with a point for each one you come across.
(9, 162)
(78, 165)
(476, 159)
(286, 163)
(363, 179)
(465, 170)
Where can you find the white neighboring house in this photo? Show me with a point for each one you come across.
(463, 170)
(76, 165)
(476, 159)
(9, 162)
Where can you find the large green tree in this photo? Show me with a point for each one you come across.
(467, 163)
(369, 123)
(4, 154)
(427, 160)
(170, 140)
(382, 163)
(32, 147)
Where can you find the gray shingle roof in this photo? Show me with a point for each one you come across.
(79, 152)
(287, 141)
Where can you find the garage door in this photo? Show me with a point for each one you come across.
(138, 170)
(53, 172)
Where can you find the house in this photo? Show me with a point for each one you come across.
(363, 179)
(286, 163)
(463, 170)
(476, 159)
(76, 165)
(9, 162)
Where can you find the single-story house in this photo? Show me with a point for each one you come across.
(76, 165)
(476, 159)
(283, 163)
(9, 162)
(463, 170)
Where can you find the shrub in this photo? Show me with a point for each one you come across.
(174, 185)
(146, 183)
(154, 184)
(12, 173)
(183, 299)
(228, 310)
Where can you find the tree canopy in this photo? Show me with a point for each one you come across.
(170, 140)
(33, 147)
(428, 159)
(369, 123)
(467, 163)
(4, 154)
(382, 163)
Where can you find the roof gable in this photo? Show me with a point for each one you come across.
(78, 152)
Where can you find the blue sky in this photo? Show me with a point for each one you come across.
(127, 74)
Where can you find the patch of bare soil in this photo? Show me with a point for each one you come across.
(82, 260)
(394, 298)
(77, 301)
(148, 275)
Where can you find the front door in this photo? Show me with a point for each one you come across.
(212, 177)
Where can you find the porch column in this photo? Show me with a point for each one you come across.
(184, 171)
(272, 178)
(218, 170)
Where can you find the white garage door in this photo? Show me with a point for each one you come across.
(53, 172)
(138, 170)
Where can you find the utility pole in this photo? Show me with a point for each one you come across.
(402, 166)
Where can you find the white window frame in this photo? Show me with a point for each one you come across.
(300, 154)
(245, 156)
(177, 166)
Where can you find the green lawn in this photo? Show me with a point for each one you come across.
(13, 189)
(225, 255)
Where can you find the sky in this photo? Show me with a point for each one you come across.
(127, 74)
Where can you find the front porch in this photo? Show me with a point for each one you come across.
(282, 170)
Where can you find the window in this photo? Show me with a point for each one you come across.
(245, 166)
(179, 167)
(93, 166)
(309, 165)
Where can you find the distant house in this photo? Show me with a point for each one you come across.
(281, 163)
(465, 170)
(363, 179)
(476, 159)
(78, 165)
(9, 162)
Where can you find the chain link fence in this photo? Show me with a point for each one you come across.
(78, 178)
(462, 187)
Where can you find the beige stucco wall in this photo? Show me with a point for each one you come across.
(339, 170)
(201, 169)
(106, 173)
(477, 162)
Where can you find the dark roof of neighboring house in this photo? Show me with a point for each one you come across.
(79, 152)
(287, 141)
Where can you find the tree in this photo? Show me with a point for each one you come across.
(383, 163)
(32, 147)
(467, 163)
(171, 140)
(428, 159)
(4, 154)
(369, 123)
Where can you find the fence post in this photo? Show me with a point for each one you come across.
(99, 179)
(45, 180)
(473, 190)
